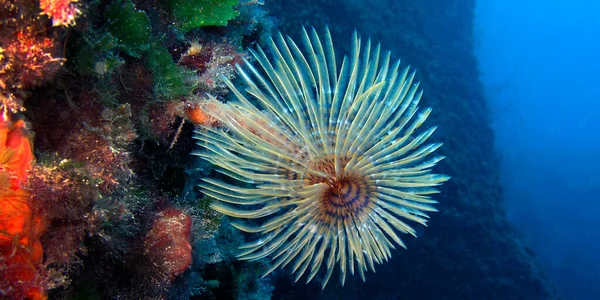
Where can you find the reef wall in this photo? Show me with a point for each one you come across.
(468, 250)
(107, 207)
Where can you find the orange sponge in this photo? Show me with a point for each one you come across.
(21, 225)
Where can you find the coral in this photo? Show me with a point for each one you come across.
(331, 176)
(168, 242)
(190, 14)
(62, 12)
(130, 26)
(21, 221)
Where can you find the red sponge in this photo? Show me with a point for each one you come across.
(168, 242)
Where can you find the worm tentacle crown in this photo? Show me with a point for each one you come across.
(330, 161)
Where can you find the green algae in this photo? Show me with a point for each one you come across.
(130, 26)
(191, 14)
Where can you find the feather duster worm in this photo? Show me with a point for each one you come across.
(326, 164)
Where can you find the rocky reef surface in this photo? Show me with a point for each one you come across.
(98, 197)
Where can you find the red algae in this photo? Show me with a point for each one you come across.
(62, 12)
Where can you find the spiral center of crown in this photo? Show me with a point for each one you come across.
(344, 194)
(340, 188)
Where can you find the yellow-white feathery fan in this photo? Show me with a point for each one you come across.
(326, 164)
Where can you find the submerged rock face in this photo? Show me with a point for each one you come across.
(468, 251)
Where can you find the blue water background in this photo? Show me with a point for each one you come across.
(540, 64)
